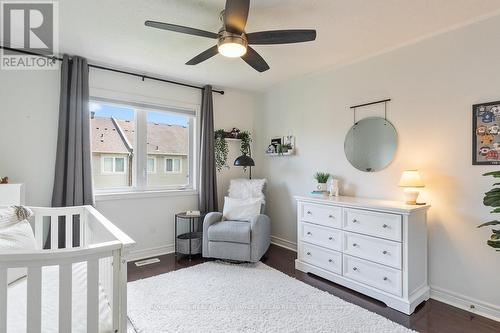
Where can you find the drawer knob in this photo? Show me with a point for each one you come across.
(309, 212)
(330, 238)
(354, 268)
(331, 216)
(308, 253)
(354, 244)
(385, 226)
(385, 278)
(330, 260)
(355, 221)
(309, 233)
(384, 252)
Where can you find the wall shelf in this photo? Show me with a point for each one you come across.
(278, 154)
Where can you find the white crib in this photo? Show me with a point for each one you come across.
(101, 245)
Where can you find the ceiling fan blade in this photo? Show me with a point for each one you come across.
(203, 56)
(281, 36)
(236, 14)
(181, 29)
(255, 60)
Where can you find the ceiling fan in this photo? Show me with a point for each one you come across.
(233, 41)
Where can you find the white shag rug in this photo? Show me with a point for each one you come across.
(222, 297)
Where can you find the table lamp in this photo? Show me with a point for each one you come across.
(411, 180)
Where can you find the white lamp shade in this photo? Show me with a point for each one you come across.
(411, 178)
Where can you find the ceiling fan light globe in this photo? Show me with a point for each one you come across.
(232, 50)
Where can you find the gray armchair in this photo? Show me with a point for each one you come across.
(236, 240)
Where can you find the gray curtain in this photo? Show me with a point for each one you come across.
(73, 175)
(207, 198)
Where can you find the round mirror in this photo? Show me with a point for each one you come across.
(370, 144)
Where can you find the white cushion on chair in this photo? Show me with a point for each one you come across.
(15, 235)
(241, 209)
(247, 188)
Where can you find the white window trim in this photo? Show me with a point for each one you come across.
(154, 165)
(114, 172)
(173, 159)
(139, 186)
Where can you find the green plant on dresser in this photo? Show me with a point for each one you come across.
(492, 199)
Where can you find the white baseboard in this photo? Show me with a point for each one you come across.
(284, 243)
(151, 252)
(481, 308)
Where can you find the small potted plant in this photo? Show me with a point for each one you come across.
(322, 179)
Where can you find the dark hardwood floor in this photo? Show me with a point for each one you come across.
(431, 316)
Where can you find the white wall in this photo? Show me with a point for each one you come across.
(433, 85)
(29, 102)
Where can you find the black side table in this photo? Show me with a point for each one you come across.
(192, 235)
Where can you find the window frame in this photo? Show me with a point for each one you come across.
(113, 165)
(139, 177)
(173, 168)
(154, 165)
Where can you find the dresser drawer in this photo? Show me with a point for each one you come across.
(375, 275)
(384, 225)
(329, 216)
(323, 236)
(323, 258)
(375, 249)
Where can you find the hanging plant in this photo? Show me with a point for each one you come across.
(221, 150)
(492, 199)
(246, 139)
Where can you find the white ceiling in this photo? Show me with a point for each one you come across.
(112, 32)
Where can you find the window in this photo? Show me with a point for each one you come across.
(151, 165)
(173, 165)
(113, 164)
(141, 147)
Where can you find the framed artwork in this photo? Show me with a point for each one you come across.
(486, 133)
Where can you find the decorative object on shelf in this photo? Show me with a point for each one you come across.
(4, 180)
(370, 144)
(246, 140)
(281, 146)
(492, 199)
(322, 179)
(486, 133)
(221, 150)
(271, 150)
(334, 188)
(235, 133)
(411, 180)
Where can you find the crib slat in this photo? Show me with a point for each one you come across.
(69, 231)
(116, 290)
(3, 299)
(34, 306)
(39, 231)
(65, 294)
(82, 231)
(54, 232)
(92, 295)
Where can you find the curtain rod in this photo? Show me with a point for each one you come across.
(371, 103)
(142, 76)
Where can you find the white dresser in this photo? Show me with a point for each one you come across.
(376, 247)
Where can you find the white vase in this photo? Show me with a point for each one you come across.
(321, 187)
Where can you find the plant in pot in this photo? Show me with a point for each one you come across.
(322, 179)
(492, 199)
(221, 150)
